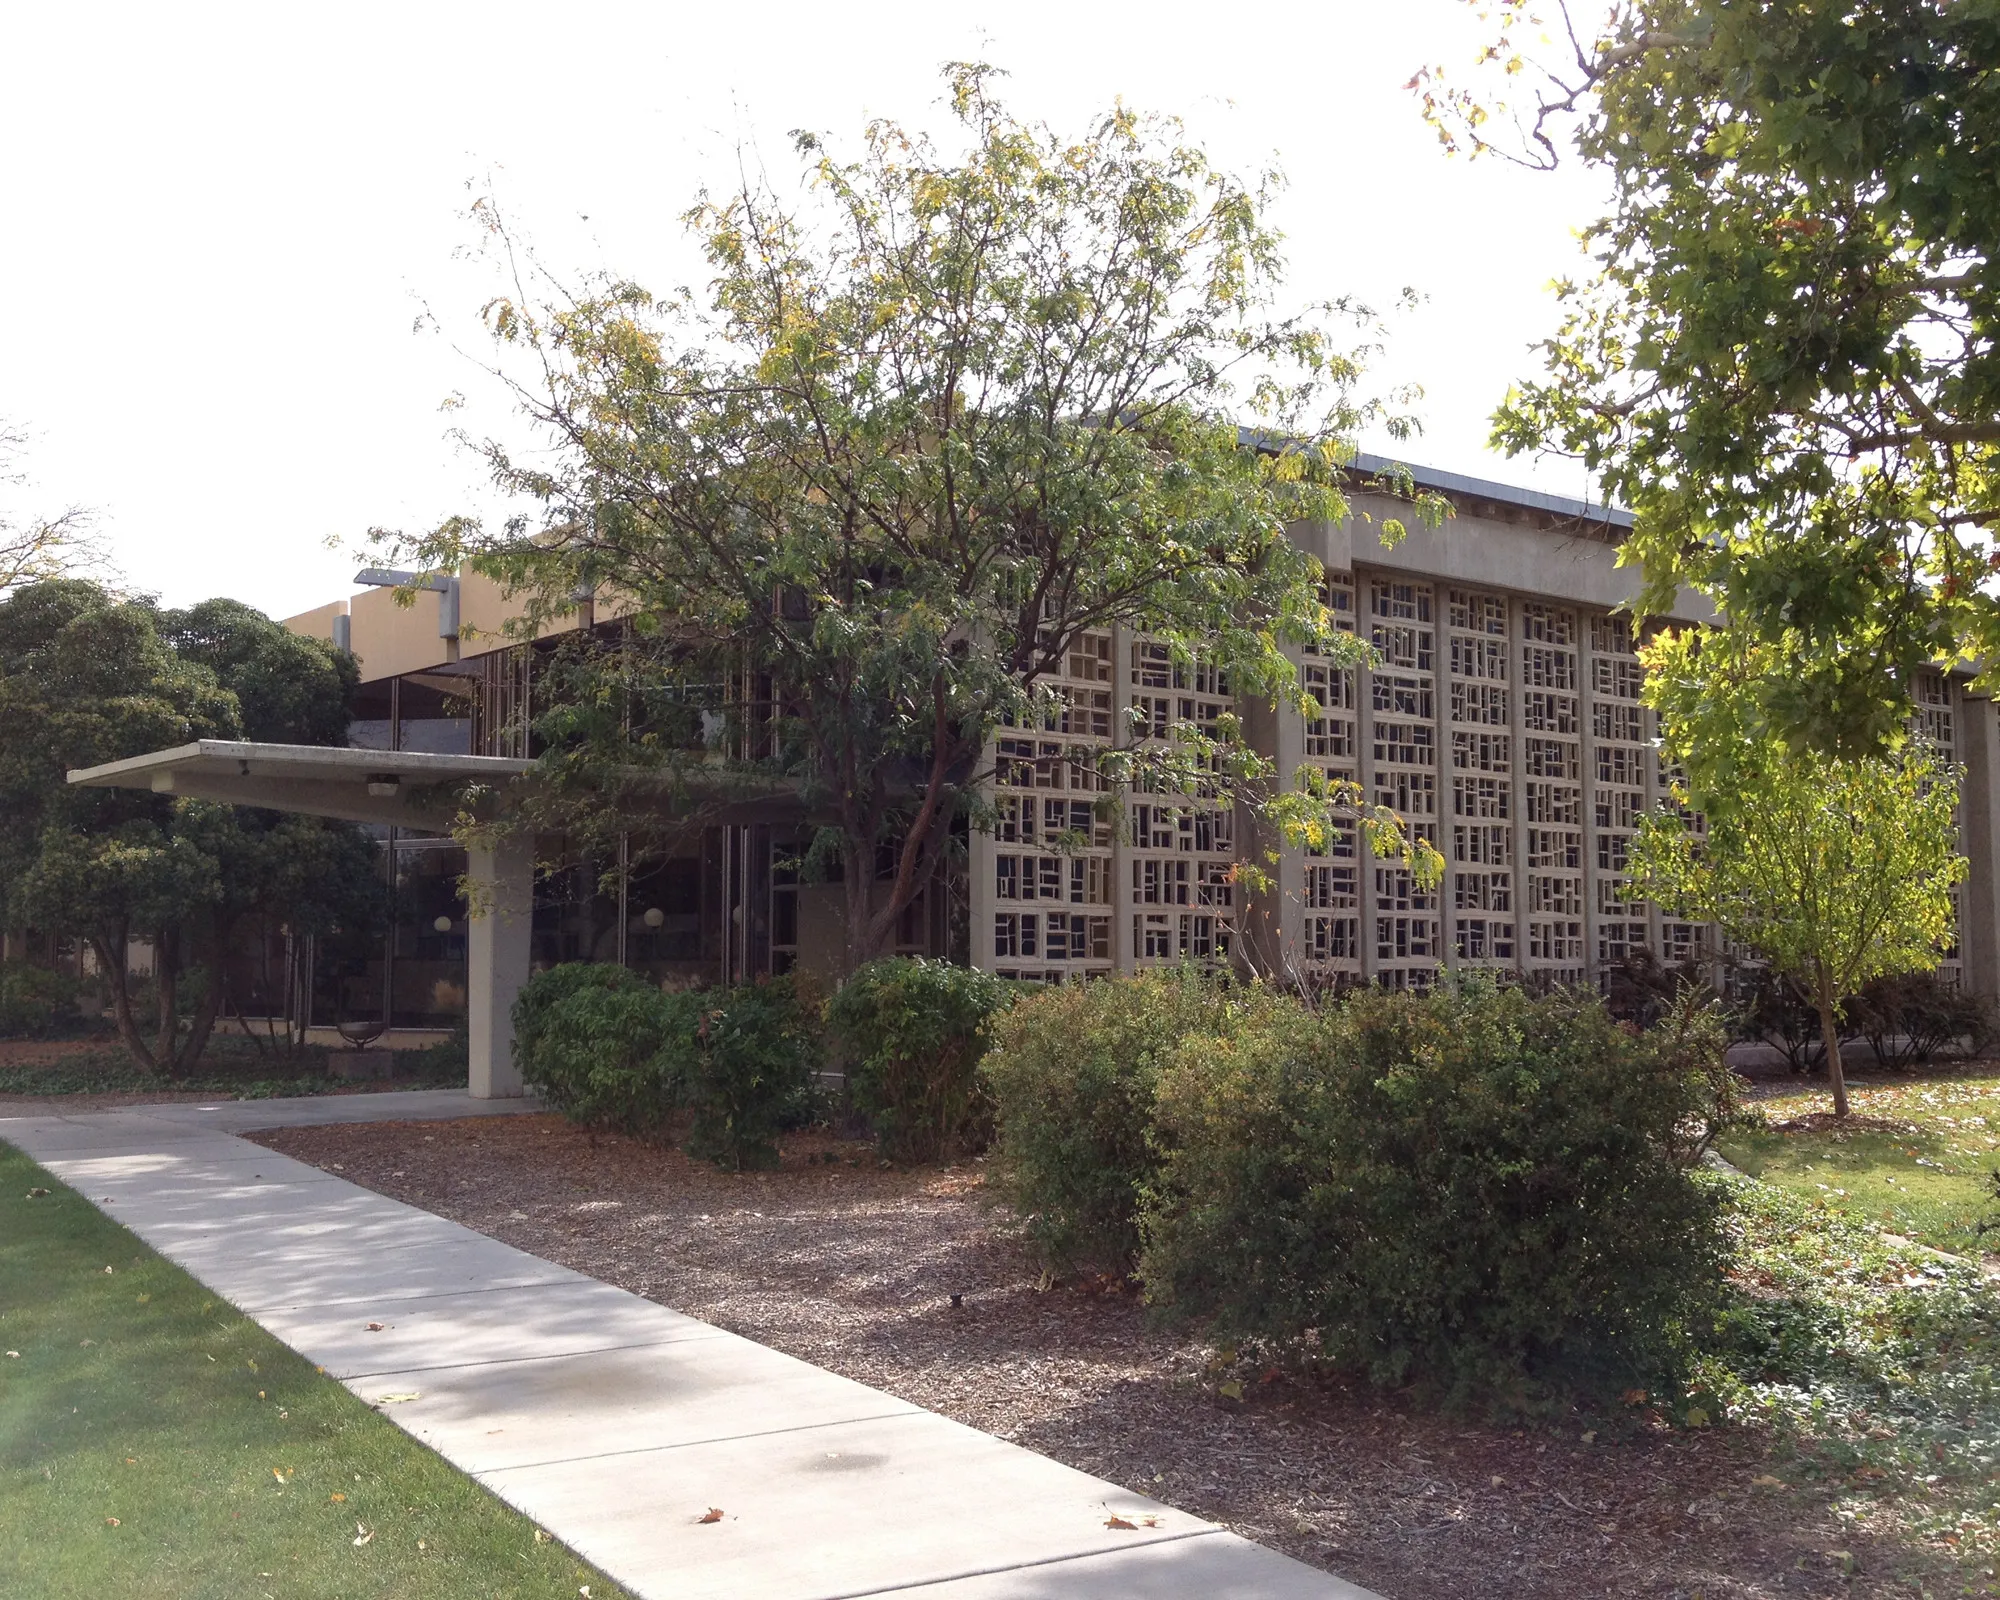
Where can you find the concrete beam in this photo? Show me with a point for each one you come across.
(498, 947)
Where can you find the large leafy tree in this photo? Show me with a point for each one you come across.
(1835, 870)
(86, 678)
(1784, 357)
(927, 425)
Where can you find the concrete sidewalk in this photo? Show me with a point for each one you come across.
(614, 1422)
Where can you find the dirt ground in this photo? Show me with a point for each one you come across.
(911, 1281)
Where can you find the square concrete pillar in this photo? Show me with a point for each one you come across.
(1979, 838)
(497, 949)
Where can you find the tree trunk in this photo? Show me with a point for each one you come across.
(121, 999)
(1829, 1027)
(166, 995)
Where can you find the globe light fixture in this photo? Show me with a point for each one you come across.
(654, 917)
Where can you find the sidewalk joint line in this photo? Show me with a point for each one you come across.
(721, 1438)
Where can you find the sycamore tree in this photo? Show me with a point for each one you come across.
(1836, 870)
(936, 415)
(1784, 355)
(87, 678)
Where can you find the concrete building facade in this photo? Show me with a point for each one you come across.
(1503, 721)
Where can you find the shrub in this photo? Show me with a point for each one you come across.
(911, 1033)
(745, 1060)
(589, 1037)
(34, 1001)
(1918, 1017)
(1475, 1189)
(1071, 1075)
(1771, 1009)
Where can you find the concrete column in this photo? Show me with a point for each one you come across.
(497, 946)
(1979, 838)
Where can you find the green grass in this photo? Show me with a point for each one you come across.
(154, 1442)
(230, 1066)
(1926, 1174)
(1870, 1366)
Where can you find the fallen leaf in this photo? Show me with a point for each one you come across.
(1232, 1390)
(1116, 1521)
(279, 1475)
(374, 1327)
(1764, 1480)
(260, 1394)
(107, 1272)
(713, 1514)
(1149, 1522)
(361, 1535)
(421, 1545)
(1634, 1397)
(1590, 1436)
(13, 1355)
(113, 1521)
(337, 1497)
(86, 1344)
(131, 1461)
(1696, 1417)
(1498, 1481)
(541, 1537)
(144, 1298)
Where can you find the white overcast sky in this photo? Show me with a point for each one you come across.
(219, 224)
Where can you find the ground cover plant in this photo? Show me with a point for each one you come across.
(1872, 1364)
(1917, 1159)
(156, 1443)
(918, 1281)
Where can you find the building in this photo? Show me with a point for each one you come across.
(1504, 722)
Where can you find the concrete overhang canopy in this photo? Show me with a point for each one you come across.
(406, 788)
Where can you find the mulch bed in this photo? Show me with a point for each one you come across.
(842, 1262)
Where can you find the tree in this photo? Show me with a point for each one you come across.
(923, 432)
(41, 548)
(85, 679)
(1835, 870)
(1785, 359)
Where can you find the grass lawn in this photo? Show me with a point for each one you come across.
(155, 1442)
(231, 1066)
(1915, 1157)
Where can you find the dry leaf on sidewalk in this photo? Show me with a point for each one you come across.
(714, 1514)
(374, 1327)
(1116, 1521)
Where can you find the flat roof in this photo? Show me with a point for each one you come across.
(1560, 505)
(238, 758)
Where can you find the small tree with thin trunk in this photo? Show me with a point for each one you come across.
(1835, 871)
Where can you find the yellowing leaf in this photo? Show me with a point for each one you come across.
(1232, 1390)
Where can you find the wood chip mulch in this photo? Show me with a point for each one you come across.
(841, 1262)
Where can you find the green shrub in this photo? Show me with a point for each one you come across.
(745, 1059)
(1919, 1017)
(911, 1033)
(1478, 1190)
(589, 1037)
(34, 1001)
(1071, 1076)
